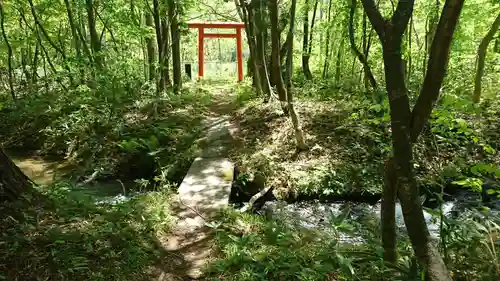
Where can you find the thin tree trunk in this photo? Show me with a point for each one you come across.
(176, 44)
(247, 15)
(159, 41)
(339, 60)
(74, 34)
(165, 52)
(299, 134)
(261, 53)
(327, 43)
(481, 55)
(150, 48)
(409, 71)
(388, 212)
(366, 67)
(407, 125)
(52, 44)
(9, 54)
(275, 54)
(95, 43)
(309, 50)
(73, 27)
(305, 43)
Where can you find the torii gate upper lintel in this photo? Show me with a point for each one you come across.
(238, 26)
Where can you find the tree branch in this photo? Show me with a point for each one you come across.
(436, 66)
(402, 15)
(375, 17)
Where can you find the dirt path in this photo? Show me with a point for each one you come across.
(190, 240)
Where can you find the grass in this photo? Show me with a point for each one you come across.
(251, 247)
(64, 235)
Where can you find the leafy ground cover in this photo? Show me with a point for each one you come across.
(64, 234)
(349, 138)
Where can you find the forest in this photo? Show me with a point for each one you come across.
(363, 139)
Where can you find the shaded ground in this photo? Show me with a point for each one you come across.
(74, 233)
(189, 238)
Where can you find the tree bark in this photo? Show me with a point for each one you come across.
(51, 43)
(95, 43)
(406, 125)
(159, 42)
(361, 57)
(388, 212)
(165, 46)
(13, 182)
(150, 48)
(276, 61)
(481, 56)
(176, 44)
(247, 15)
(9, 52)
(299, 134)
(260, 52)
(74, 33)
(327, 43)
(338, 62)
(305, 43)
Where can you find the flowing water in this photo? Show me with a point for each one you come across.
(323, 216)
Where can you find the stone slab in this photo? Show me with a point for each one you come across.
(207, 185)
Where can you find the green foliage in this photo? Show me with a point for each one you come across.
(69, 235)
(253, 248)
(105, 128)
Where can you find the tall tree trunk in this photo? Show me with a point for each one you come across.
(275, 54)
(299, 134)
(407, 125)
(247, 15)
(338, 62)
(150, 48)
(305, 43)
(361, 57)
(327, 43)
(165, 73)
(95, 43)
(432, 21)
(481, 55)
(159, 41)
(13, 182)
(259, 27)
(176, 44)
(74, 34)
(9, 52)
(73, 27)
(311, 32)
(58, 49)
(409, 70)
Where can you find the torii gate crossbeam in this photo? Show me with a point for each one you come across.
(238, 26)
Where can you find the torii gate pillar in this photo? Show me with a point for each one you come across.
(238, 26)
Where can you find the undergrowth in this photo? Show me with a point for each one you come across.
(116, 129)
(259, 249)
(63, 234)
(350, 139)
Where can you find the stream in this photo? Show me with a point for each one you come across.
(323, 215)
(312, 214)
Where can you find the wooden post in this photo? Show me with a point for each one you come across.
(239, 54)
(201, 51)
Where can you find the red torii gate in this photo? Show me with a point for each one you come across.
(201, 41)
